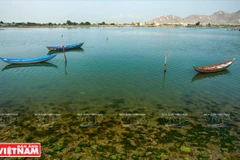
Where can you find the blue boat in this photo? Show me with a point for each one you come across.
(66, 47)
(28, 60)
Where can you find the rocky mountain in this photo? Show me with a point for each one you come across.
(219, 17)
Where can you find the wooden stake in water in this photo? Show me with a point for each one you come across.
(65, 59)
(165, 62)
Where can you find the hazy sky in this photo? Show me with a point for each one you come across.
(117, 11)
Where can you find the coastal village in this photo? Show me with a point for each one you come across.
(137, 24)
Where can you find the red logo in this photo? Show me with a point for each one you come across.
(20, 149)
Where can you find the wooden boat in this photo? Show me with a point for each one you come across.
(214, 67)
(28, 60)
(66, 47)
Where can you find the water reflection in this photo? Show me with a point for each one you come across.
(164, 77)
(200, 76)
(65, 67)
(70, 50)
(42, 64)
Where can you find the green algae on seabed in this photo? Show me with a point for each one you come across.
(134, 156)
(106, 148)
(224, 149)
(172, 149)
(203, 156)
(128, 145)
(55, 149)
(179, 143)
(78, 149)
(113, 157)
(147, 134)
(191, 135)
(185, 149)
(123, 157)
(84, 145)
(127, 137)
(158, 156)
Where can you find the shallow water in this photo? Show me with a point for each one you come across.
(120, 70)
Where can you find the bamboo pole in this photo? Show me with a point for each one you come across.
(65, 59)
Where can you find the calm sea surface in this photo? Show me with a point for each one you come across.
(120, 63)
(118, 71)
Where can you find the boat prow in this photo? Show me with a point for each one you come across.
(214, 67)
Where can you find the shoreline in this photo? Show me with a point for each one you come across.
(121, 26)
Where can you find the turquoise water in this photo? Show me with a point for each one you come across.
(118, 76)
(120, 63)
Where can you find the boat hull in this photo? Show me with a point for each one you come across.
(28, 60)
(66, 47)
(214, 67)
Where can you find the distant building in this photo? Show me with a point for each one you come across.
(7, 24)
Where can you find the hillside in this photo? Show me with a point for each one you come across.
(219, 17)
